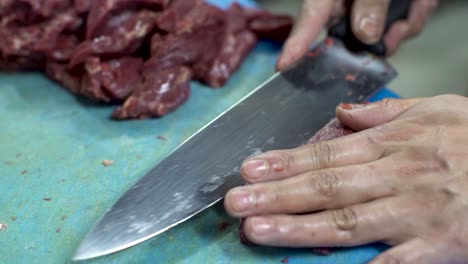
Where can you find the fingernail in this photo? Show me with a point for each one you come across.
(346, 106)
(255, 168)
(262, 226)
(240, 199)
(370, 27)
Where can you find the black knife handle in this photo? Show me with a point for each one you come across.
(398, 10)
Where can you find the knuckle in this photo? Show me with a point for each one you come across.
(323, 153)
(344, 219)
(326, 183)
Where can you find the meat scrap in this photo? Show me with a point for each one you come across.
(137, 54)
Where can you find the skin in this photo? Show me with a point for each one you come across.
(402, 179)
(368, 21)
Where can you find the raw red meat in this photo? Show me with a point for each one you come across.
(334, 129)
(159, 93)
(106, 81)
(122, 34)
(269, 26)
(37, 39)
(103, 10)
(142, 53)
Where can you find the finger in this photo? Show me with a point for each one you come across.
(334, 188)
(313, 191)
(273, 165)
(338, 11)
(419, 13)
(392, 220)
(421, 251)
(360, 117)
(398, 32)
(402, 30)
(368, 19)
(351, 226)
(313, 16)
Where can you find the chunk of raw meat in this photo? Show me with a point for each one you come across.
(82, 6)
(39, 38)
(32, 10)
(140, 52)
(186, 15)
(334, 129)
(111, 80)
(267, 25)
(186, 48)
(107, 81)
(101, 11)
(234, 50)
(158, 94)
(117, 38)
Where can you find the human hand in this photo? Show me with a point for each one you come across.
(402, 179)
(368, 22)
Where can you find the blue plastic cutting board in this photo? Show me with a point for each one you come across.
(53, 186)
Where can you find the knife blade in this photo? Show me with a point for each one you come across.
(284, 112)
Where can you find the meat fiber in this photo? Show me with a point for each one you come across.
(139, 54)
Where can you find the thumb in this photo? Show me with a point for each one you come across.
(363, 116)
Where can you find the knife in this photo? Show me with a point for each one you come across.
(284, 112)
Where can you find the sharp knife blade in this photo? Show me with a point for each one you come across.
(284, 112)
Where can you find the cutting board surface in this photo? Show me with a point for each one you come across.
(54, 187)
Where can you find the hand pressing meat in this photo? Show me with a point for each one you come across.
(138, 53)
(401, 179)
(334, 129)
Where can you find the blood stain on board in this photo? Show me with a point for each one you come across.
(223, 225)
(107, 163)
(162, 138)
(285, 260)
